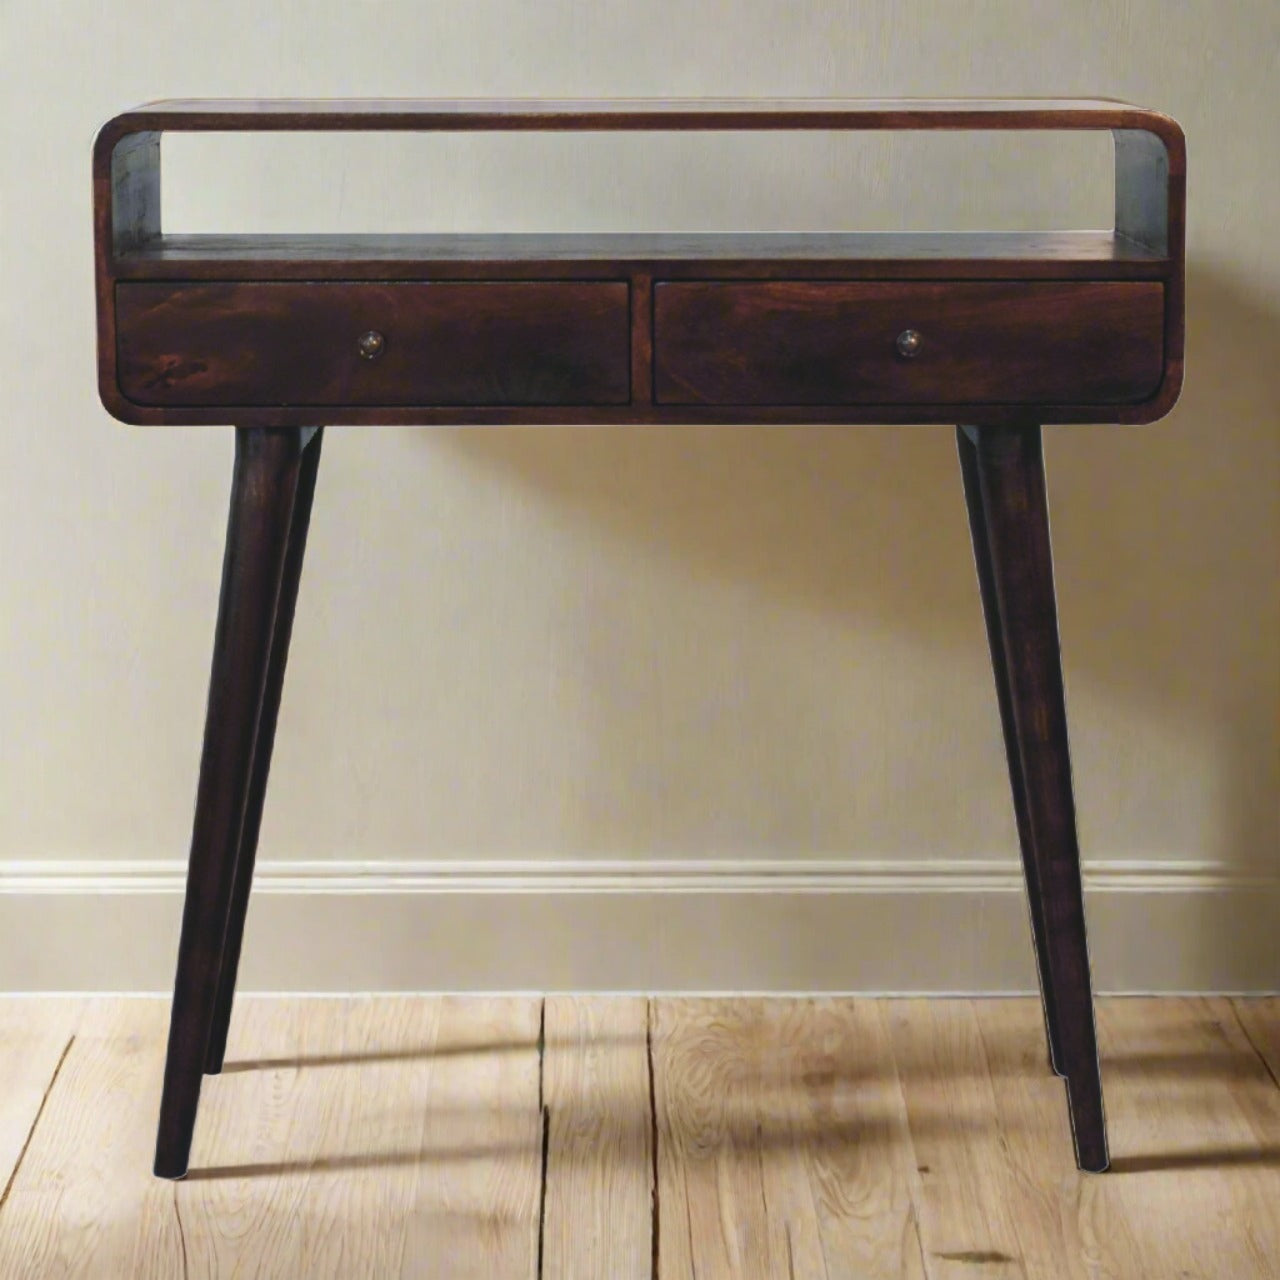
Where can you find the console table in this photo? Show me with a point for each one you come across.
(282, 335)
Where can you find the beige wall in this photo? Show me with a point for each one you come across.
(651, 646)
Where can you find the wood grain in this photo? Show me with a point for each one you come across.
(456, 342)
(782, 1142)
(263, 488)
(975, 506)
(1196, 1117)
(460, 114)
(1009, 467)
(401, 1136)
(383, 1137)
(1195, 1120)
(84, 1203)
(1065, 1227)
(389, 1137)
(35, 1036)
(832, 342)
(984, 254)
(1260, 1019)
(598, 1211)
(967, 1226)
(263, 746)
(1146, 243)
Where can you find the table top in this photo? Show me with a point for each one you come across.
(641, 114)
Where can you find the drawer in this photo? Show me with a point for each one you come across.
(435, 343)
(821, 342)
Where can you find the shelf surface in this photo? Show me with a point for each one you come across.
(1091, 253)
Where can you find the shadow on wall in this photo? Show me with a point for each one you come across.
(1174, 538)
(1166, 538)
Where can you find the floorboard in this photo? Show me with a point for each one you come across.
(374, 1137)
(598, 1215)
(1063, 1229)
(84, 1202)
(1195, 1139)
(389, 1137)
(966, 1216)
(782, 1138)
(633, 1139)
(1260, 1020)
(35, 1037)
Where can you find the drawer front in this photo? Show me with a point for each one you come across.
(422, 343)
(842, 342)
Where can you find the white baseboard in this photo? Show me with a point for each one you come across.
(941, 926)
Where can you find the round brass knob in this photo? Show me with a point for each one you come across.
(909, 343)
(371, 344)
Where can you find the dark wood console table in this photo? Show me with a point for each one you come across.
(282, 335)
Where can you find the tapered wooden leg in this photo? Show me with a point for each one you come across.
(262, 498)
(1010, 472)
(263, 744)
(995, 641)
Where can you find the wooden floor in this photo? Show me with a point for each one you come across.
(621, 1139)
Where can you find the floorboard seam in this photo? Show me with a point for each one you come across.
(654, 1208)
(1009, 1171)
(1262, 1057)
(913, 1217)
(914, 1188)
(544, 1116)
(182, 1234)
(31, 1133)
